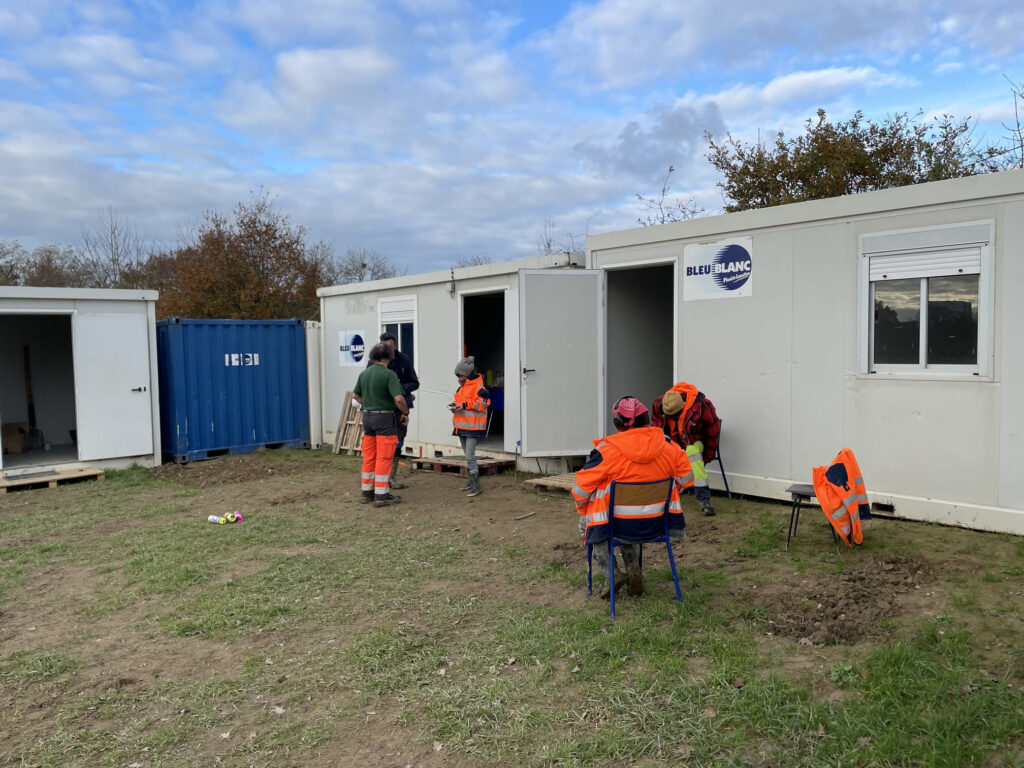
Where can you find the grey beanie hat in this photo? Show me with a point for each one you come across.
(466, 367)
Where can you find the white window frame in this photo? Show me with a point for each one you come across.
(924, 252)
(396, 310)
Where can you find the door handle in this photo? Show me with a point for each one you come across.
(138, 389)
(529, 370)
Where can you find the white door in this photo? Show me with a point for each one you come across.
(112, 380)
(561, 356)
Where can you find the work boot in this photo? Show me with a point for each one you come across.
(394, 482)
(367, 497)
(634, 579)
(474, 484)
(620, 582)
(707, 508)
(386, 499)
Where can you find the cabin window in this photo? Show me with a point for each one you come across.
(926, 302)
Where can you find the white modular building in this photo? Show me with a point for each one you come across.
(884, 321)
(78, 379)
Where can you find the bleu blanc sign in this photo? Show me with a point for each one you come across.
(722, 270)
(351, 348)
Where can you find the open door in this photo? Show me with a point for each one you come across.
(112, 381)
(562, 351)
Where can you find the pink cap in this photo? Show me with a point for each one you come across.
(626, 409)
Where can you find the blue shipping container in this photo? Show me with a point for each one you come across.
(231, 386)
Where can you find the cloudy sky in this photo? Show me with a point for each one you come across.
(432, 130)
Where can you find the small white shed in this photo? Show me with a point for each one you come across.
(78, 379)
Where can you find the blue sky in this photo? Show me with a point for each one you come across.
(432, 130)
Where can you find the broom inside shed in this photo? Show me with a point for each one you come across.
(35, 435)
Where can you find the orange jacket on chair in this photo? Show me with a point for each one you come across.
(636, 455)
(843, 497)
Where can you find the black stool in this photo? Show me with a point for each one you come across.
(802, 492)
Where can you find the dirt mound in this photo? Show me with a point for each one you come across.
(231, 469)
(843, 608)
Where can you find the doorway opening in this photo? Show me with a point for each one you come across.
(483, 337)
(640, 332)
(37, 391)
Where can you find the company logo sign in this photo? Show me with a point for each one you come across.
(351, 347)
(718, 270)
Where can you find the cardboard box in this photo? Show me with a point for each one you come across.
(14, 437)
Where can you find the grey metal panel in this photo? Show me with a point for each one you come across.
(561, 316)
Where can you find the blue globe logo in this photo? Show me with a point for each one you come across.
(732, 267)
(358, 348)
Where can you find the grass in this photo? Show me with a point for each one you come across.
(302, 634)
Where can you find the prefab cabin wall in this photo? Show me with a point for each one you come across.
(439, 335)
(785, 366)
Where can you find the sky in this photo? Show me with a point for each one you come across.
(431, 131)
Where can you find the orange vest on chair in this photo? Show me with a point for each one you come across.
(843, 497)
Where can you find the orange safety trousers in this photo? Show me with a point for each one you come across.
(843, 497)
(378, 453)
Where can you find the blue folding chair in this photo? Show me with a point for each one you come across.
(635, 501)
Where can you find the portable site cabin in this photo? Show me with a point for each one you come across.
(884, 321)
(78, 379)
(524, 321)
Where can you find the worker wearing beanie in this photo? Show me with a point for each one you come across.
(637, 452)
(469, 418)
(689, 419)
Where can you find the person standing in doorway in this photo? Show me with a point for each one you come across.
(384, 408)
(403, 368)
(469, 417)
(691, 421)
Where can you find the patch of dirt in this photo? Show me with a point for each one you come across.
(843, 608)
(234, 469)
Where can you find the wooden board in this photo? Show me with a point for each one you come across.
(458, 466)
(554, 482)
(349, 435)
(50, 480)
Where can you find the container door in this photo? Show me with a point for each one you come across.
(112, 397)
(561, 354)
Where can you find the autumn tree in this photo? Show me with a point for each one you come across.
(842, 158)
(112, 252)
(258, 265)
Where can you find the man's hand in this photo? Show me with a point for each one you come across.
(403, 419)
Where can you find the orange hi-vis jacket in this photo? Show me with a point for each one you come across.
(471, 422)
(689, 393)
(843, 497)
(637, 455)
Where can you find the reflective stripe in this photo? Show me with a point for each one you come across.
(640, 510)
(684, 480)
(701, 483)
(675, 506)
(596, 518)
(846, 529)
(579, 492)
(839, 514)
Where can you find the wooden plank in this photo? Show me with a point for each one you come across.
(554, 482)
(453, 466)
(339, 433)
(352, 441)
(52, 480)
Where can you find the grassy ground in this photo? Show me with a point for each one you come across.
(133, 633)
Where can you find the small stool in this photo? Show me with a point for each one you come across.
(802, 492)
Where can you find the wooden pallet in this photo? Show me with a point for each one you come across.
(349, 435)
(554, 482)
(458, 466)
(50, 479)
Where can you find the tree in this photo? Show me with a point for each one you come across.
(475, 260)
(549, 245)
(257, 266)
(12, 262)
(663, 209)
(1015, 130)
(55, 266)
(843, 158)
(112, 252)
(360, 265)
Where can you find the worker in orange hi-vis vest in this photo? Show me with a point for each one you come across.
(840, 490)
(469, 418)
(379, 392)
(638, 452)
